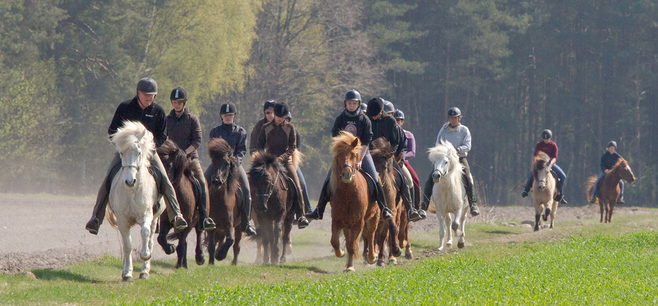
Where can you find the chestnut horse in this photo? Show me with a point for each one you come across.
(351, 207)
(543, 189)
(179, 171)
(222, 176)
(274, 192)
(382, 157)
(609, 190)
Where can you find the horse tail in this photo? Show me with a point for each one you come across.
(111, 217)
(589, 185)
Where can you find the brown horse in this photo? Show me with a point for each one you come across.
(382, 157)
(609, 190)
(223, 196)
(274, 193)
(543, 189)
(351, 208)
(179, 171)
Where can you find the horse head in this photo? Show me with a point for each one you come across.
(346, 150)
(443, 157)
(540, 169)
(135, 146)
(173, 159)
(624, 171)
(264, 173)
(222, 166)
(382, 157)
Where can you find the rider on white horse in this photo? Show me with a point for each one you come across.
(140, 108)
(460, 138)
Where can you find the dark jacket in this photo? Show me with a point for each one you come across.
(235, 136)
(609, 160)
(253, 138)
(153, 118)
(184, 131)
(387, 127)
(359, 125)
(278, 140)
(298, 140)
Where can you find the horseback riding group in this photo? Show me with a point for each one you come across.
(373, 189)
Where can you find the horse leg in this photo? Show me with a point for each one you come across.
(349, 247)
(285, 238)
(538, 210)
(259, 245)
(211, 246)
(226, 242)
(181, 249)
(127, 261)
(607, 211)
(198, 251)
(448, 220)
(553, 211)
(369, 239)
(146, 265)
(335, 238)
(382, 233)
(602, 209)
(612, 209)
(236, 245)
(276, 238)
(462, 222)
(442, 230)
(165, 226)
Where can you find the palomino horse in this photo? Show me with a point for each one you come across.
(543, 189)
(609, 190)
(223, 194)
(351, 207)
(382, 157)
(134, 194)
(448, 192)
(179, 171)
(272, 191)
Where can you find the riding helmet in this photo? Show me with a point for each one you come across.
(375, 106)
(269, 104)
(364, 107)
(178, 93)
(546, 134)
(612, 143)
(289, 116)
(388, 106)
(352, 94)
(147, 86)
(398, 114)
(281, 109)
(454, 112)
(228, 108)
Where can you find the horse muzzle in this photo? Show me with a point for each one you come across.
(436, 176)
(347, 174)
(131, 183)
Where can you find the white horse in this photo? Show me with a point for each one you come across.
(134, 194)
(448, 193)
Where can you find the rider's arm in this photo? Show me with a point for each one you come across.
(465, 147)
(411, 147)
(195, 135)
(241, 148)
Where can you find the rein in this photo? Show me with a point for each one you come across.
(267, 195)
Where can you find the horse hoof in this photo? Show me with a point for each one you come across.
(371, 261)
(455, 226)
(460, 245)
(234, 262)
(409, 256)
(169, 249)
(536, 228)
(340, 253)
(397, 252)
(392, 261)
(380, 263)
(348, 270)
(143, 275)
(283, 260)
(177, 266)
(127, 278)
(449, 244)
(200, 260)
(145, 258)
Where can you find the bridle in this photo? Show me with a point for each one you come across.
(271, 189)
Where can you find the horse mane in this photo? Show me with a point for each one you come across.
(134, 132)
(170, 154)
(442, 150)
(381, 148)
(220, 151)
(341, 145)
(620, 164)
(260, 161)
(539, 161)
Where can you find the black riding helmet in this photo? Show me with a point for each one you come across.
(546, 134)
(388, 106)
(147, 86)
(269, 104)
(178, 93)
(289, 116)
(228, 108)
(612, 143)
(281, 109)
(454, 112)
(352, 94)
(375, 106)
(398, 114)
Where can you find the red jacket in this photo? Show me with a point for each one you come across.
(549, 148)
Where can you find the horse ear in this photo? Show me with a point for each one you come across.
(355, 143)
(141, 135)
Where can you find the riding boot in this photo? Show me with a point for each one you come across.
(169, 194)
(318, 212)
(246, 216)
(103, 197)
(427, 193)
(416, 195)
(381, 201)
(470, 194)
(412, 213)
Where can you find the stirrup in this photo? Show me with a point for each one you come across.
(314, 215)
(209, 224)
(302, 222)
(422, 213)
(413, 215)
(386, 213)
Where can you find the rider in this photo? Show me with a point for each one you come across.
(236, 137)
(385, 126)
(184, 129)
(140, 108)
(608, 160)
(278, 138)
(549, 147)
(460, 137)
(409, 153)
(353, 120)
(298, 139)
(268, 111)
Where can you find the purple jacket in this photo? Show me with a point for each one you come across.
(410, 144)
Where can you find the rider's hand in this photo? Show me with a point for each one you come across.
(358, 165)
(606, 170)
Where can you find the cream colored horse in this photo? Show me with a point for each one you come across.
(134, 193)
(448, 193)
(543, 189)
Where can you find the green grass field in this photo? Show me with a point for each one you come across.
(580, 262)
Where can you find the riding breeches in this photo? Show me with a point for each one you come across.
(302, 180)
(292, 173)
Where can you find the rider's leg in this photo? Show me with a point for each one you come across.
(560, 185)
(103, 196)
(369, 167)
(528, 185)
(470, 187)
(302, 180)
(299, 204)
(595, 188)
(169, 194)
(206, 222)
(325, 196)
(246, 203)
(403, 188)
(621, 193)
(415, 191)
(427, 193)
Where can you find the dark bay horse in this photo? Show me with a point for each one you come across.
(382, 156)
(180, 173)
(351, 208)
(609, 190)
(272, 196)
(223, 196)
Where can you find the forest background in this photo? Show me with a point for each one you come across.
(584, 69)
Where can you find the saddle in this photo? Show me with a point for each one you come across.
(372, 187)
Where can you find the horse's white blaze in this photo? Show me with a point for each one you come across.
(134, 204)
(448, 194)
